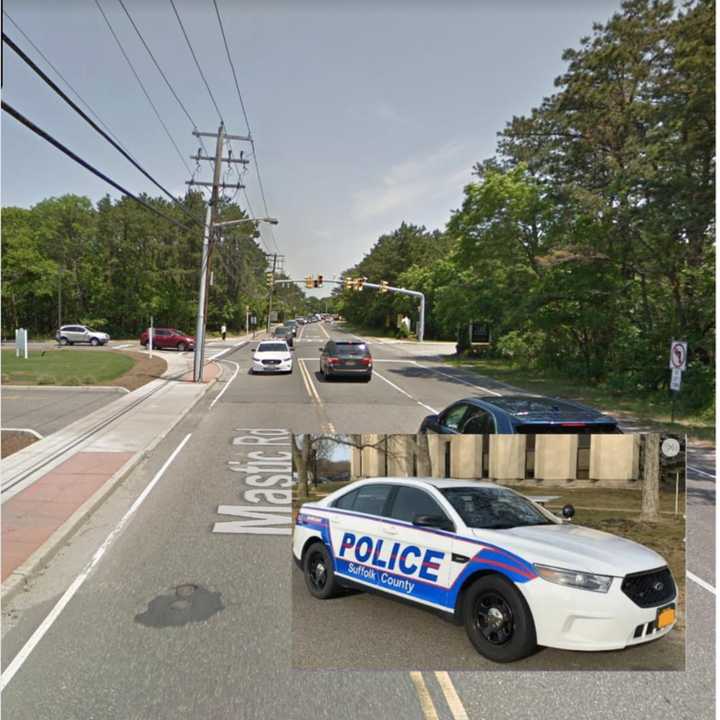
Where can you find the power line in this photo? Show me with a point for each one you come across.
(160, 70)
(60, 75)
(147, 95)
(46, 136)
(247, 121)
(92, 124)
(197, 64)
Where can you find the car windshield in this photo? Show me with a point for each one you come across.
(351, 350)
(494, 508)
(272, 347)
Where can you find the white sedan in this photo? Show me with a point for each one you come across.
(513, 573)
(272, 356)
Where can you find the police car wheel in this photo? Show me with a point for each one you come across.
(498, 620)
(319, 575)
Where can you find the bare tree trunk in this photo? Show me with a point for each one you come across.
(651, 479)
(300, 462)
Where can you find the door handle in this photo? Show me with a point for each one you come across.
(390, 529)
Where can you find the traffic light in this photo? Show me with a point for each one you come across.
(349, 282)
(384, 286)
(359, 282)
(319, 281)
(270, 278)
(309, 281)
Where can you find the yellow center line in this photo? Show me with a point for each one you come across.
(453, 699)
(426, 703)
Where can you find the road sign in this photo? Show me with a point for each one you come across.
(678, 355)
(676, 379)
(670, 447)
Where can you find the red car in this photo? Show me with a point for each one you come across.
(168, 338)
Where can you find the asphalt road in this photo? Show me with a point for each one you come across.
(134, 642)
(49, 409)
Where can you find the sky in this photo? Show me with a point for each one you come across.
(364, 114)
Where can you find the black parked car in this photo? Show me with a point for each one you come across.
(347, 358)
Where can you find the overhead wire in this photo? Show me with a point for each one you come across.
(140, 82)
(247, 121)
(60, 75)
(64, 149)
(197, 63)
(38, 71)
(162, 73)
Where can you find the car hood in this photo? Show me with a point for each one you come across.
(273, 355)
(574, 547)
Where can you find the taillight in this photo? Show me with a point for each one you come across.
(333, 360)
(366, 360)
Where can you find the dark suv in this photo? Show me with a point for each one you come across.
(348, 358)
(510, 414)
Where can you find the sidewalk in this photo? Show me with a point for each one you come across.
(49, 487)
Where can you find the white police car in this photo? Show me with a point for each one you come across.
(513, 573)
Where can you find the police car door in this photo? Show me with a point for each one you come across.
(425, 550)
(356, 530)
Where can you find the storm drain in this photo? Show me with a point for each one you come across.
(187, 604)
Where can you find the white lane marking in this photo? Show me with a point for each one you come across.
(397, 387)
(431, 409)
(453, 699)
(702, 583)
(386, 360)
(47, 623)
(324, 331)
(407, 394)
(426, 703)
(702, 472)
(227, 350)
(455, 377)
(227, 384)
(24, 430)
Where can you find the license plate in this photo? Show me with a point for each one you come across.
(350, 362)
(665, 617)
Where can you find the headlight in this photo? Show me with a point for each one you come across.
(575, 578)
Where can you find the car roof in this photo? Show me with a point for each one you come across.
(529, 408)
(439, 483)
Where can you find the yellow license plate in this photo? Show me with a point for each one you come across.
(665, 617)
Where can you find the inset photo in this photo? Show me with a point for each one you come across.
(528, 552)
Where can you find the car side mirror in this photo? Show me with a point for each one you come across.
(436, 521)
(322, 349)
(568, 511)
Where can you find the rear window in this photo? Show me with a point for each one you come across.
(347, 350)
(569, 428)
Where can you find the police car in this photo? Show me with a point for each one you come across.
(508, 569)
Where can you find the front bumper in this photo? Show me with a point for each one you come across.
(285, 366)
(573, 619)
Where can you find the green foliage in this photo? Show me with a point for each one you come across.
(588, 242)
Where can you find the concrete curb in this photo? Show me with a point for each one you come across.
(17, 580)
(104, 388)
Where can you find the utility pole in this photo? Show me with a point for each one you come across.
(208, 234)
(205, 264)
(272, 288)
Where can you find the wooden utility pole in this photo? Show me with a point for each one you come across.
(272, 288)
(651, 479)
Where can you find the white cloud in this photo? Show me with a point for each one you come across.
(411, 185)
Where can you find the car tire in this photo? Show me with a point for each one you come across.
(318, 571)
(94, 342)
(64, 341)
(497, 620)
(181, 347)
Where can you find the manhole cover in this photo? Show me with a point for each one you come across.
(186, 604)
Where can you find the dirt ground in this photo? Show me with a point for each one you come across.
(12, 441)
(144, 370)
